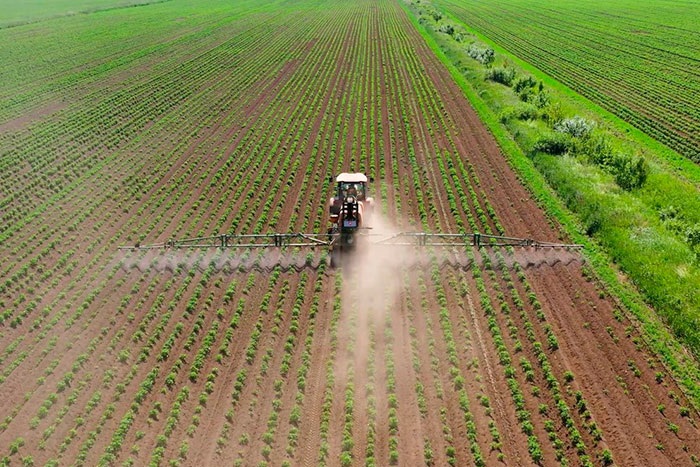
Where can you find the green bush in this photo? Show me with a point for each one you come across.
(502, 74)
(598, 149)
(482, 54)
(552, 113)
(521, 111)
(692, 235)
(524, 83)
(553, 143)
(630, 171)
(591, 216)
(447, 29)
(539, 99)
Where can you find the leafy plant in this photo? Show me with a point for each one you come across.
(501, 74)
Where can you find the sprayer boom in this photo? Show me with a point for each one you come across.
(295, 239)
(466, 239)
(242, 241)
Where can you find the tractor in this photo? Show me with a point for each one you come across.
(350, 210)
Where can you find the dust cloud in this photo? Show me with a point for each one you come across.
(374, 275)
(375, 278)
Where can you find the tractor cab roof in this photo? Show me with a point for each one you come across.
(356, 177)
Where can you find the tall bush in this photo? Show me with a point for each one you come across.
(630, 171)
(577, 126)
(553, 143)
(482, 54)
(502, 74)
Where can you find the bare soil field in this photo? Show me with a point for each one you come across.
(406, 357)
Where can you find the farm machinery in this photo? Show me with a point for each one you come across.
(350, 212)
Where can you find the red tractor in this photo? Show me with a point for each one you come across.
(350, 210)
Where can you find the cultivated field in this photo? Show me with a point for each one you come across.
(638, 60)
(31, 11)
(177, 121)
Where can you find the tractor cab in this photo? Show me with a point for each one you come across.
(356, 189)
(351, 184)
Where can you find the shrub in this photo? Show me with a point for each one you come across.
(447, 29)
(503, 74)
(599, 150)
(540, 100)
(592, 218)
(482, 54)
(524, 83)
(552, 113)
(523, 111)
(630, 171)
(578, 127)
(692, 235)
(553, 143)
(437, 16)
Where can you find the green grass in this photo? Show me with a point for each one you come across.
(637, 60)
(630, 232)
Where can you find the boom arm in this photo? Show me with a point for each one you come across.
(467, 239)
(241, 241)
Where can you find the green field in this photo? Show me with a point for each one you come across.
(639, 60)
(14, 13)
(42, 63)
